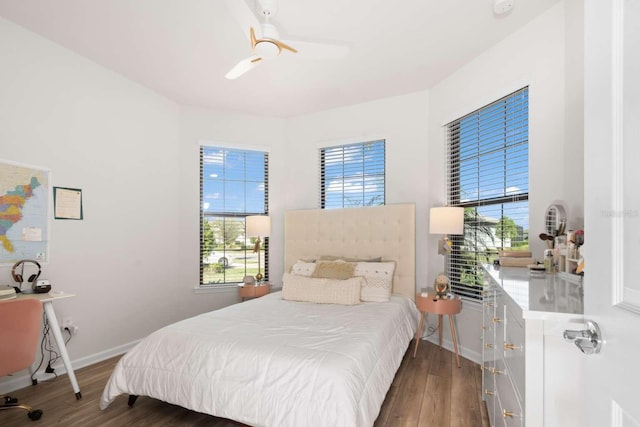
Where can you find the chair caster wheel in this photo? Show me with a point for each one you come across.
(35, 414)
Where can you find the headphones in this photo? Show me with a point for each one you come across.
(18, 277)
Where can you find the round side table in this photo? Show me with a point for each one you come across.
(430, 304)
(253, 291)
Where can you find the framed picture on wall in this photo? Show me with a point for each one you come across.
(67, 203)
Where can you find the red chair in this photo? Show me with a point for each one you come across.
(20, 323)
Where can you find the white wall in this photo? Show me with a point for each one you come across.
(401, 121)
(133, 260)
(537, 56)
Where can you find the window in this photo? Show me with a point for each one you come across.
(233, 185)
(488, 174)
(352, 175)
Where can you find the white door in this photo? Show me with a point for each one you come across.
(612, 209)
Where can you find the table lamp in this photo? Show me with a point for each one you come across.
(258, 226)
(445, 220)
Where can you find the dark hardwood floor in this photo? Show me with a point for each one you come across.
(429, 390)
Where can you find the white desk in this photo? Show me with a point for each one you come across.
(47, 304)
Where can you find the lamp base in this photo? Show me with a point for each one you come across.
(259, 277)
(444, 246)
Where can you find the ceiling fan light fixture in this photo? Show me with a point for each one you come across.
(267, 49)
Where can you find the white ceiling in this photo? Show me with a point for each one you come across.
(183, 48)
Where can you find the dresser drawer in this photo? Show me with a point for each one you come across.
(508, 406)
(489, 396)
(513, 351)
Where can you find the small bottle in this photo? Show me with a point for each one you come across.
(548, 261)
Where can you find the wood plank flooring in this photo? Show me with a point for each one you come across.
(429, 390)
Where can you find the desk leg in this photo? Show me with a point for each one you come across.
(440, 330)
(455, 338)
(57, 334)
(418, 334)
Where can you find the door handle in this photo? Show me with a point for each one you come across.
(589, 340)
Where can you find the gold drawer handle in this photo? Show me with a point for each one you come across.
(497, 320)
(508, 346)
(488, 393)
(494, 371)
(484, 328)
(507, 414)
(488, 345)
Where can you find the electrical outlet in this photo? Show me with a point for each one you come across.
(67, 324)
(66, 321)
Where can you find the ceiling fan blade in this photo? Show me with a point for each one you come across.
(243, 66)
(312, 50)
(243, 15)
(283, 45)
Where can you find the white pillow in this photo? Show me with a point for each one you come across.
(322, 291)
(302, 268)
(378, 282)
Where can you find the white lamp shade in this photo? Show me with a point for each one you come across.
(258, 226)
(446, 220)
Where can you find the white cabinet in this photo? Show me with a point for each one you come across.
(531, 377)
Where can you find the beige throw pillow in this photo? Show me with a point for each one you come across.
(321, 291)
(378, 280)
(302, 268)
(334, 269)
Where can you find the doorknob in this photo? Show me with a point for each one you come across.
(589, 340)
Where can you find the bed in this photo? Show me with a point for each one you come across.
(278, 362)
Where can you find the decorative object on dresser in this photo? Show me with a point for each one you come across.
(258, 226)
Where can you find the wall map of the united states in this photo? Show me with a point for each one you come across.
(11, 209)
(24, 213)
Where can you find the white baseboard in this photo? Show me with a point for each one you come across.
(474, 356)
(16, 382)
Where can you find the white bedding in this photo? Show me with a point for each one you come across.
(271, 362)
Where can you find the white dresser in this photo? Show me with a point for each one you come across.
(531, 376)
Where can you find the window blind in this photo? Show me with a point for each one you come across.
(234, 183)
(352, 175)
(487, 160)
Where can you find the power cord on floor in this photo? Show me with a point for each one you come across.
(34, 381)
(430, 331)
(47, 347)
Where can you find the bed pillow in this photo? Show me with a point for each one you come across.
(349, 259)
(303, 268)
(321, 291)
(334, 270)
(378, 280)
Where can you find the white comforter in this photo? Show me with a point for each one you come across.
(271, 362)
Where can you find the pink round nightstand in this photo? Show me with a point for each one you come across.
(430, 304)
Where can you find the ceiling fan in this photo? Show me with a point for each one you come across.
(265, 38)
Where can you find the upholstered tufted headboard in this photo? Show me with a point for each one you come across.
(386, 231)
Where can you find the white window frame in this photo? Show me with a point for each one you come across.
(353, 174)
